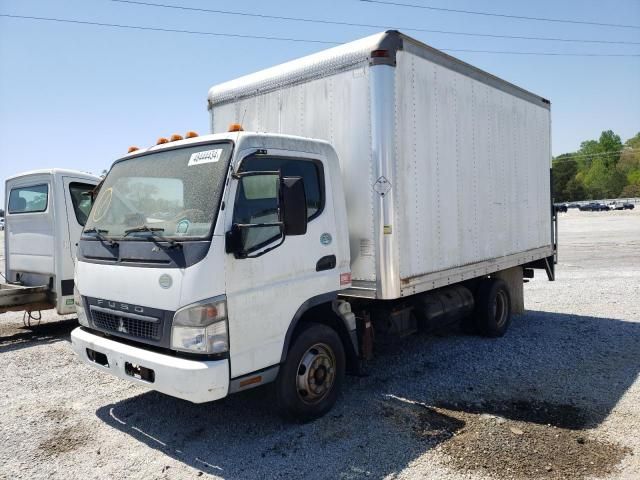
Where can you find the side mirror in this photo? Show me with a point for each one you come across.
(294, 206)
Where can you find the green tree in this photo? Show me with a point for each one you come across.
(610, 143)
(604, 168)
(564, 170)
(629, 163)
(602, 181)
(574, 190)
(598, 161)
(633, 177)
(631, 191)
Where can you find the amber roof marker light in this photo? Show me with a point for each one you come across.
(191, 134)
(235, 127)
(132, 149)
(175, 137)
(380, 54)
(162, 140)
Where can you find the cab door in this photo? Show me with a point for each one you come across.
(78, 202)
(29, 229)
(264, 293)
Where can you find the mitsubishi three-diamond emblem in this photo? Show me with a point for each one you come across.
(121, 327)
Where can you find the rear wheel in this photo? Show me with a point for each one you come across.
(493, 307)
(310, 380)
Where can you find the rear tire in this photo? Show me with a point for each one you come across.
(493, 307)
(310, 379)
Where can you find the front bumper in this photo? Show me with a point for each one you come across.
(193, 380)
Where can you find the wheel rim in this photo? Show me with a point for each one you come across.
(500, 308)
(316, 373)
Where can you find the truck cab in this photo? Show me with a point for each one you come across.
(45, 211)
(181, 269)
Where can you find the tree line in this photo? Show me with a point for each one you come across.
(603, 168)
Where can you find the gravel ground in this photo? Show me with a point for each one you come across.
(557, 397)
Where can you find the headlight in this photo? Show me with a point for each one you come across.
(201, 327)
(82, 315)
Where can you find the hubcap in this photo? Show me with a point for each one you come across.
(316, 373)
(500, 307)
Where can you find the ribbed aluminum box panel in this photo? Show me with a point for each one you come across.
(472, 169)
(466, 156)
(324, 96)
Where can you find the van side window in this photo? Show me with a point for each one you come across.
(81, 199)
(310, 171)
(30, 199)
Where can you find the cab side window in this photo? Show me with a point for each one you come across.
(311, 172)
(261, 206)
(30, 199)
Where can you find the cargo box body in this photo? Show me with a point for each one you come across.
(446, 168)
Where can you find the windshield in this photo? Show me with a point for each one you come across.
(174, 192)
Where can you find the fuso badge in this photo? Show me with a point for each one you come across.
(325, 238)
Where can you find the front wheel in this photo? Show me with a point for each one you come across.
(310, 379)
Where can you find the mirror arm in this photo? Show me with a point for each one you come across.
(257, 225)
(239, 175)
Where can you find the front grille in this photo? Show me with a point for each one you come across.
(133, 327)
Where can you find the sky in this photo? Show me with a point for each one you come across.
(77, 96)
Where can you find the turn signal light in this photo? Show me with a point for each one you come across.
(162, 140)
(190, 134)
(235, 127)
(175, 137)
(251, 381)
(132, 149)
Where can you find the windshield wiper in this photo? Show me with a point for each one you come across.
(154, 233)
(99, 235)
(143, 228)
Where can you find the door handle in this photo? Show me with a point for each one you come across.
(326, 263)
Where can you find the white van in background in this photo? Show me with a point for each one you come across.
(45, 211)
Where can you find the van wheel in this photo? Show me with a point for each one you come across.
(310, 379)
(493, 308)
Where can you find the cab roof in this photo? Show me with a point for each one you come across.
(54, 172)
(244, 140)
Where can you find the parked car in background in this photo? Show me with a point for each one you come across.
(560, 207)
(628, 206)
(594, 207)
(1, 224)
(573, 205)
(616, 206)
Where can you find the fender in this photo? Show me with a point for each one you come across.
(307, 305)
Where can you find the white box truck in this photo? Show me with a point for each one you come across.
(45, 211)
(371, 190)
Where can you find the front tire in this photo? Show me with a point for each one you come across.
(310, 379)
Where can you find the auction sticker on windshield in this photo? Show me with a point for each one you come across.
(206, 156)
